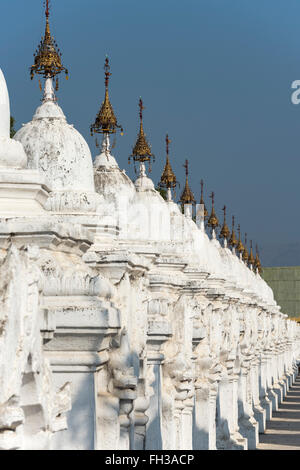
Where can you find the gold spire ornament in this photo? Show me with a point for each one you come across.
(187, 196)
(213, 221)
(233, 241)
(141, 152)
(240, 246)
(245, 252)
(225, 232)
(168, 179)
(47, 57)
(257, 263)
(251, 259)
(202, 200)
(106, 121)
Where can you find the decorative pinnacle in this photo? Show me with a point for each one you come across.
(168, 178)
(107, 73)
(233, 241)
(47, 58)
(106, 121)
(257, 263)
(245, 252)
(186, 166)
(141, 152)
(47, 9)
(168, 141)
(251, 259)
(141, 109)
(202, 200)
(213, 221)
(240, 246)
(187, 197)
(225, 232)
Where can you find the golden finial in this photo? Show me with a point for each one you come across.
(233, 241)
(168, 141)
(168, 178)
(47, 58)
(202, 200)
(213, 221)
(240, 246)
(245, 252)
(141, 152)
(257, 264)
(225, 232)
(106, 121)
(187, 196)
(251, 259)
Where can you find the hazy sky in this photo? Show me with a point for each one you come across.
(215, 74)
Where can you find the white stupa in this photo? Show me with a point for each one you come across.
(55, 147)
(116, 187)
(61, 154)
(12, 154)
(22, 191)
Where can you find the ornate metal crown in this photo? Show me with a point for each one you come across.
(168, 178)
(106, 121)
(47, 58)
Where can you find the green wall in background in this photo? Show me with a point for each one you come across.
(285, 282)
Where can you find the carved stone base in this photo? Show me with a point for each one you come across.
(260, 416)
(266, 404)
(248, 428)
(273, 397)
(233, 442)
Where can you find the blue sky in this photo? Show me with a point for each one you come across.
(215, 74)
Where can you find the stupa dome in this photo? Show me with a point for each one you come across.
(111, 182)
(12, 154)
(60, 152)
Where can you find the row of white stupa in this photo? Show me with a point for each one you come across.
(47, 169)
(128, 322)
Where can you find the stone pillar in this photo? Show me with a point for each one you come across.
(183, 415)
(259, 412)
(288, 364)
(271, 395)
(228, 436)
(140, 418)
(277, 387)
(263, 392)
(81, 376)
(248, 426)
(126, 406)
(158, 333)
(107, 413)
(187, 424)
(281, 372)
(123, 385)
(153, 439)
(204, 434)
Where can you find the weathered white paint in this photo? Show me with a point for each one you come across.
(115, 304)
(4, 107)
(61, 154)
(12, 154)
